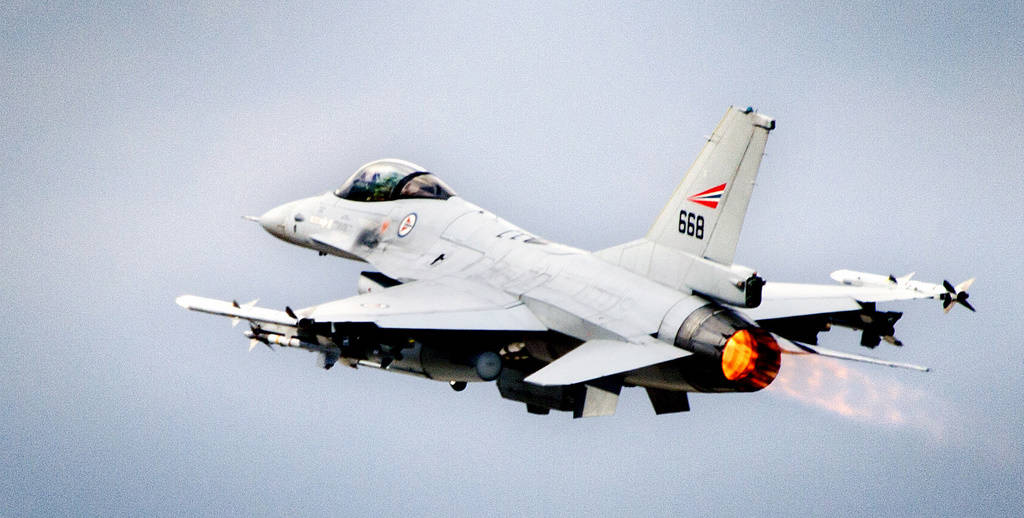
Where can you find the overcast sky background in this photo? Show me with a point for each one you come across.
(132, 139)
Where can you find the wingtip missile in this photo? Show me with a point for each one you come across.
(854, 278)
(946, 292)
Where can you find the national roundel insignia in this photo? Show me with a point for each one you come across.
(407, 224)
(710, 197)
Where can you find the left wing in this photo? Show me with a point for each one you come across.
(454, 305)
(450, 304)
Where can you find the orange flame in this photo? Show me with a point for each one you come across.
(842, 389)
(739, 356)
(828, 384)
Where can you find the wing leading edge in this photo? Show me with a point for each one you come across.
(416, 305)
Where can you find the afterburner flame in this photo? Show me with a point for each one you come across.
(739, 357)
(849, 392)
(751, 359)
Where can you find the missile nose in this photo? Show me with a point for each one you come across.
(273, 220)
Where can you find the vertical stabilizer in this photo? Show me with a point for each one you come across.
(705, 214)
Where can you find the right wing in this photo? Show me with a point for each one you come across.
(783, 299)
(800, 311)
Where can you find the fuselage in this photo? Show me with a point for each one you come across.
(412, 227)
(455, 240)
(427, 239)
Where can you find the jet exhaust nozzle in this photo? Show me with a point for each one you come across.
(743, 357)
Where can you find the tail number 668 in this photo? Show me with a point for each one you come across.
(691, 224)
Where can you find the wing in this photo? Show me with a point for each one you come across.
(454, 305)
(781, 299)
(800, 311)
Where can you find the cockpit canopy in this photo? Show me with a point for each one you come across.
(392, 179)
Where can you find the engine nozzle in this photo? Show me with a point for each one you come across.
(753, 356)
(743, 357)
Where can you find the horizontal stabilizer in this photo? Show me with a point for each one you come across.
(799, 348)
(599, 358)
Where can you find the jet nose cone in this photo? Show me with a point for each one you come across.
(273, 220)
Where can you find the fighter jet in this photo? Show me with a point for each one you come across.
(459, 295)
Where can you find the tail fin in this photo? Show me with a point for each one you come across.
(706, 211)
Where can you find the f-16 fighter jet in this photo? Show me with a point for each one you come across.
(459, 295)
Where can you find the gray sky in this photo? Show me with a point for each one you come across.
(132, 139)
